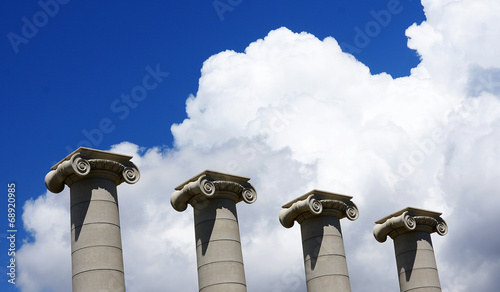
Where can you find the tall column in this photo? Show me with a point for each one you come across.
(213, 196)
(96, 249)
(411, 230)
(319, 214)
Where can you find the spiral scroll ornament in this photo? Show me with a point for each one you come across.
(442, 228)
(249, 196)
(212, 185)
(80, 166)
(315, 206)
(409, 221)
(352, 213)
(131, 175)
(207, 187)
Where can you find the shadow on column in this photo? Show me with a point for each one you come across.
(408, 264)
(206, 235)
(408, 258)
(80, 210)
(78, 219)
(314, 254)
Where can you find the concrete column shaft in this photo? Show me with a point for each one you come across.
(411, 230)
(324, 255)
(416, 263)
(96, 249)
(218, 246)
(319, 213)
(213, 196)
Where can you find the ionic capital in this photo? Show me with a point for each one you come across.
(211, 184)
(409, 219)
(315, 203)
(84, 162)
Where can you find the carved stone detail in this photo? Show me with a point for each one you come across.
(315, 203)
(310, 204)
(213, 196)
(319, 214)
(80, 164)
(411, 230)
(96, 250)
(407, 220)
(209, 184)
(348, 209)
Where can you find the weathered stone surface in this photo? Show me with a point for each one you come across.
(213, 196)
(411, 230)
(319, 214)
(96, 249)
(99, 280)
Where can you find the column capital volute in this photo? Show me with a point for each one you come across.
(318, 202)
(409, 219)
(212, 184)
(86, 163)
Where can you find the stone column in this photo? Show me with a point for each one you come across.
(319, 214)
(411, 230)
(213, 196)
(96, 249)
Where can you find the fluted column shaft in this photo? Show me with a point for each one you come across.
(319, 214)
(96, 249)
(411, 230)
(213, 197)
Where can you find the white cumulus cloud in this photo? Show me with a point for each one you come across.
(294, 113)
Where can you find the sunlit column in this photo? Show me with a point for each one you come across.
(411, 230)
(213, 196)
(319, 214)
(96, 249)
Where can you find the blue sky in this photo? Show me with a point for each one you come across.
(67, 71)
(65, 78)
